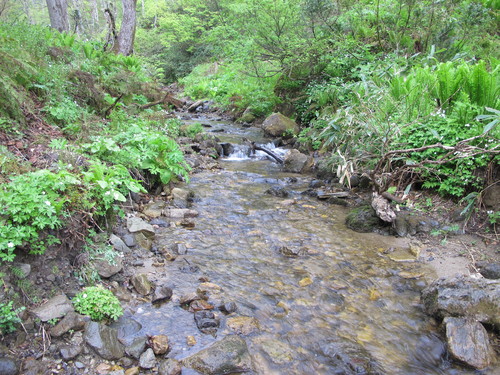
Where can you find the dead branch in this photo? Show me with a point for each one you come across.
(167, 99)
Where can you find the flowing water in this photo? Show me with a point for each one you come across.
(343, 289)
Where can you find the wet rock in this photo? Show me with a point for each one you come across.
(159, 344)
(409, 224)
(305, 281)
(69, 352)
(191, 340)
(206, 319)
(468, 342)
(228, 307)
(106, 269)
(154, 209)
(143, 241)
(296, 162)
(186, 299)
(316, 184)
(8, 366)
(118, 244)
(170, 366)
(464, 296)
(136, 224)
(126, 329)
(161, 294)
(337, 201)
(136, 347)
(147, 359)
(278, 125)
(129, 240)
(277, 191)
(227, 148)
(54, 308)
(247, 116)
(104, 341)
(430, 351)
(180, 248)
(363, 219)
(243, 325)
(290, 252)
(230, 355)
(141, 284)
(350, 359)
(199, 305)
(182, 198)
(72, 321)
(489, 270)
(180, 213)
(160, 222)
(207, 288)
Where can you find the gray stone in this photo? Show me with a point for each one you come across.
(277, 191)
(143, 241)
(141, 284)
(409, 224)
(104, 341)
(180, 248)
(296, 162)
(154, 209)
(119, 244)
(136, 224)
(147, 359)
(129, 240)
(223, 357)
(363, 219)
(106, 269)
(193, 107)
(8, 366)
(136, 347)
(69, 352)
(180, 213)
(247, 116)
(464, 296)
(468, 342)
(228, 307)
(72, 321)
(170, 367)
(489, 270)
(182, 198)
(278, 125)
(54, 308)
(491, 197)
(162, 293)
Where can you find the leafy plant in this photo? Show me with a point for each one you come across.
(9, 317)
(98, 303)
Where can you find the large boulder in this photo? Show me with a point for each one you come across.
(468, 342)
(464, 296)
(409, 224)
(297, 162)
(54, 308)
(363, 219)
(278, 125)
(104, 341)
(229, 355)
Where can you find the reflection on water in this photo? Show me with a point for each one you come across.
(352, 294)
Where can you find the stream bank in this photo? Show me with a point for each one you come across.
(242, 256)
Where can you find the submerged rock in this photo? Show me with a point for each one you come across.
(464, 296)
(468, 342)
(243, 325)
(230, 355)
(277, 191)
(206, 319)
(349, 358)
(170, 366)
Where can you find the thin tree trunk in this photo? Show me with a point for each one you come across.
(58, 13)
(126, 36)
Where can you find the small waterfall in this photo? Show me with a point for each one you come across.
(243, 152)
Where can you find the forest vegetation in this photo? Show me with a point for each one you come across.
(406, 91)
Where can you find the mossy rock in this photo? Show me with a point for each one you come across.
(363, 219)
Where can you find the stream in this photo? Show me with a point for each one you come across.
(341, 299)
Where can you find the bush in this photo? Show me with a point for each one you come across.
(9, 317)
(98, 303)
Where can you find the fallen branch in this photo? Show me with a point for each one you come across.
(278, 158)
(167, 99)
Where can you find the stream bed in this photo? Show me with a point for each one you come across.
(326, 298)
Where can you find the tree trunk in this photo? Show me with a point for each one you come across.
(126, 36)
(58, 13)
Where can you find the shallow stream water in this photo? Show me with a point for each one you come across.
(342, 288)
